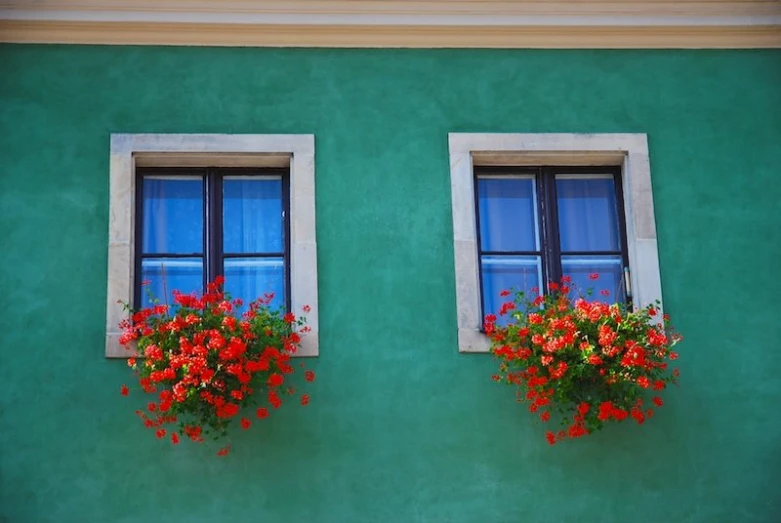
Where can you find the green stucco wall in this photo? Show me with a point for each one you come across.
(401, 428)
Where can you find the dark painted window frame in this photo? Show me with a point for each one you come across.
(213, 253)
(547, 212)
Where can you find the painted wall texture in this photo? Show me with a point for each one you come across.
(401, 428)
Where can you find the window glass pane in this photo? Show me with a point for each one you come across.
(252, 215)
(168, 274)
(173, 215)
(508, 272)
(251, 278)
(508, 213)
(608, 287)
(588, 215)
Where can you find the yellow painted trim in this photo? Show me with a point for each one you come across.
(417, 36)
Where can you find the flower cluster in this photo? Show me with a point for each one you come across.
(206, 365)
(587, 362)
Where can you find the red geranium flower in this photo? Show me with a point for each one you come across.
(207, 363)
(558, 350)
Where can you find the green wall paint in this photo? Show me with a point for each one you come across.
(401, 427)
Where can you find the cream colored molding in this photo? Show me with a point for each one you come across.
(223, 150)
(630, 151)
(351, 11)
(378, 23)
(549, 37)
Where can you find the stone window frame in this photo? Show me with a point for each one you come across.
(128, 151)
(627, 150)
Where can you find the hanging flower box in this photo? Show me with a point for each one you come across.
(583, 363)
(205, 367)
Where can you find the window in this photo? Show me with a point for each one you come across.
(536, 225)
(518, 224)
(184, 208)
(194, 224)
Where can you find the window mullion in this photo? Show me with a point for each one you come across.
(548, 234)
(554, 241)
(213, 225)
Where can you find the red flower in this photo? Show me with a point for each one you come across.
(227, 410)
(595, 360)
(560, 343)
(620, 414)
(551, 437)
(309, 376)
(289, 317)
(160, 433)
(275, 380)
(658, 401)
(593, 276)
(245, 423)
(304, 399)
(604, 292)
(274, 399)
(124, 390)
(174, 438)
(638, 416)
(306, 308)
(262, 412)
(605, 410)
(224, 451)
(193, 432)
(151, 407)
(506, 307)
(504, 293)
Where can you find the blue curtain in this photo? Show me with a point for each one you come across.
(253, 223)
(588, 219)
(588, 222)
(173, 224)
(507, 207)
